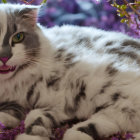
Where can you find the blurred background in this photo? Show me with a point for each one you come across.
(96, 13)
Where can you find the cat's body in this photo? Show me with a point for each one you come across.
(69, 72)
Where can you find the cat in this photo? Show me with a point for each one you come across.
(66, 72)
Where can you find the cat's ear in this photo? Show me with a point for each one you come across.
(29, 14)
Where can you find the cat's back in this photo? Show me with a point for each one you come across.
(87, 41)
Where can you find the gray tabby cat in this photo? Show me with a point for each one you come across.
(64, 73)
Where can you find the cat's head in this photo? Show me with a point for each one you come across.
(19, 42)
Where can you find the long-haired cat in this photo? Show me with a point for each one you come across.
(64, 73)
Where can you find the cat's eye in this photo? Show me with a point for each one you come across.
(18, 37)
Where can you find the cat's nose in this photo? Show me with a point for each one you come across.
(4, 59)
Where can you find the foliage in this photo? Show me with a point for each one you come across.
(97, 13)
(4, 1)
(129, 13)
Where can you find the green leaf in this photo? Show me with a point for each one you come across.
(135, 6)
(118, 6)
(118, 11)
(114, 5)
(44, 1)
(124, 7)
(138, 2)
(124, 20)
(4, 1)
(121, 15)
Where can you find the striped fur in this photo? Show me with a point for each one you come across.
(67, 72)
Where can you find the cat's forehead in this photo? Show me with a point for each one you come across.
(10, 18)
(3, 17)
(14, 7)
(6, 15)
(9, 9)
(7, 22)
(3, 24)
(9, 12)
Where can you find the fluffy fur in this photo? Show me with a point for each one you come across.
(67, 72)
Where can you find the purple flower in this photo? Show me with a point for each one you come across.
(129, 136)
(114, 138)
(96, 1)
(1, 126)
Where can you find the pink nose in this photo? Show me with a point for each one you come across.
(4, 59)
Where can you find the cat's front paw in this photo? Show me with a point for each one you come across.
(36, 124)
(8, 121)
(30, 137)
(72, 134)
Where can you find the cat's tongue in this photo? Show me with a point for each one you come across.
(6, 69)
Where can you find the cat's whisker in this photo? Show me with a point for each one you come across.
(43, 64)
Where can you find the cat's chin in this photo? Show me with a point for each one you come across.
(4, 77)
(6, 71)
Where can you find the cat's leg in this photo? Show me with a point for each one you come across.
(135, 136)
(8, 120)
(39, 124)
(120, 118)
(11, 113)
(99, 125)
(30, 137)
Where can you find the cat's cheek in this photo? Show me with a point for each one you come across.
(19, 56)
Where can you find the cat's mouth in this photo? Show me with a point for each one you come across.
(6, 69)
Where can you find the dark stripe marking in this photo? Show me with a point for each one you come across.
(7, 37)
(111, 70)
(6, 48)
(91, 131)
(31, 89)
(118, 51)
(36, 99)
(70, 110)
(101, 107)
(18, 110)
(115, 96)
(69, 57)
(84, 40)
(108, 84)
(52, 81)
(38, 121)
(110, 43)
(59, 54)
(131, 43)
(129, 112)
(69, 60)
(81, 94)
(52, 119)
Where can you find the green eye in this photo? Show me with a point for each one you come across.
(18, 38)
